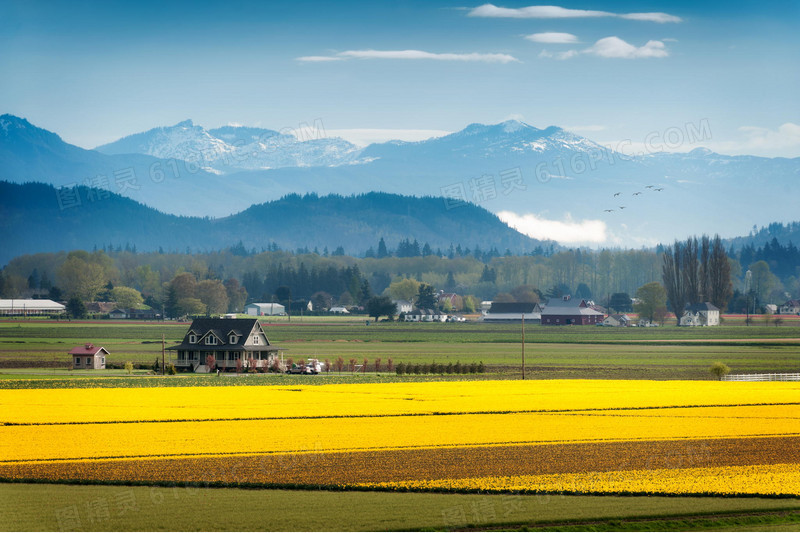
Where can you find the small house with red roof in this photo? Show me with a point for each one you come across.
(89, 357)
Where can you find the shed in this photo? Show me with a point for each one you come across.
(89, 357)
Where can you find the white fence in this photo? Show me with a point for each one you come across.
(762, 377)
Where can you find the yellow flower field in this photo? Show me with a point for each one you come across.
(773, 480)
(86, 430)
(43, 442)
(27, 406)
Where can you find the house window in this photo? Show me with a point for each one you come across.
(77, 361)
(235, 356)
(104, 360)
(88, 361)
(232, 339)
(181, 355)
(255, 339)
(192, 338)
(211, 339)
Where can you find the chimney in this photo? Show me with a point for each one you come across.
(88, 345)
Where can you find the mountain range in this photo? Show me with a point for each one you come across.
(42, 222)
(559, 178)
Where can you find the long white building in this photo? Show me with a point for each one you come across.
(27, 307)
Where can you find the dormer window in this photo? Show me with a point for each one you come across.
(211, 339)
(232, 339)
(192, 338)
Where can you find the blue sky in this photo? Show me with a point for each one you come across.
(611, 71)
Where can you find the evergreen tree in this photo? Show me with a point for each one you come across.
(382, 251)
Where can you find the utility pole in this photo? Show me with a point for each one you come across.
(163, 354)
(523, 345)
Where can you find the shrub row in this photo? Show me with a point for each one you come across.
(440, 368)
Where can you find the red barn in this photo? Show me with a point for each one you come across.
(89, 357)
(568, 311)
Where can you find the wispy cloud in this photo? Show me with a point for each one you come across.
(557, 12)
(614, 47)
(366, 136)
(412, 54)
(566, 231)
(558, 55)
(617, 48)
(318, 59)
(766, 142)
(552, 37)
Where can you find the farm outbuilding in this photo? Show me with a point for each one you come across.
(264, 309)
(567, 311)
(513, 312)
(27, 306)
(89, 357)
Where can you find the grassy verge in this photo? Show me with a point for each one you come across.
(32, 507)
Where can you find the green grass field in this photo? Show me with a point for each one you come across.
(551, 352)
(33, 353)
(46, 507)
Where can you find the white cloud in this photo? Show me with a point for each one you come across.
(566, 231)
(365, 136)
(318, 59)
(556, 12)
(558, 55)
(412, 54)
(754, 140)
(652, 17)
(614, 47)
(420, 54)
(765, 142)
(552, 37)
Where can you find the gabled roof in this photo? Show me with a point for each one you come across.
(87, 349)
(220, 327)
(568, 306)
(705, 306)
(513, 308)
(792, 303)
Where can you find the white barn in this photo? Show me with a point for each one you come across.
(513, 312)
(264, 309)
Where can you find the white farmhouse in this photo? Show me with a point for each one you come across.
(704, 314)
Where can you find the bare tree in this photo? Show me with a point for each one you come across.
(721, 288)
(672, 275)
(691, 271)
(705, 269)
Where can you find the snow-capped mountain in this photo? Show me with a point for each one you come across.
(480, 142)
(512, 167)
(234, 148)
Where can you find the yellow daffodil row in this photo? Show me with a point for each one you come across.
(42, 406)
(47, 442)
(769, 480)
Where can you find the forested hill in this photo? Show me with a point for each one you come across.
(41, 218)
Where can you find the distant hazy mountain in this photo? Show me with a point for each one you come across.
(40, 224)
(551, 173)
(231, 148)
(31, 154)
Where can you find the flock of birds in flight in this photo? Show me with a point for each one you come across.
(621, 207)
